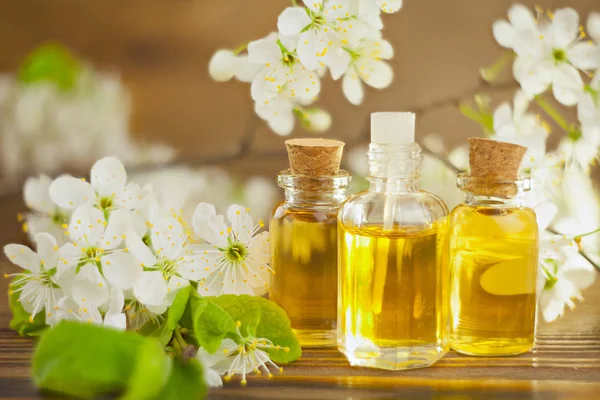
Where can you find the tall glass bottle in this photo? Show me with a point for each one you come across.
(493, 261)
(304, 239)
(391, 260)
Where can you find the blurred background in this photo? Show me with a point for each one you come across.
(156, 104)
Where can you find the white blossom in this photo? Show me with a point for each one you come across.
(549, 52)
(366, 65)
(236, 257)
(44, 215)
(323, 28)
(390, 6)
(225, 64)
(168, 263)
(107, 191)
(38, 286)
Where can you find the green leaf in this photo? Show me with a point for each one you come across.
(85, 360)
(262, 318)
(164, 330)
(186, 381)
(206, 322)
(20, 321)
(150, 373)
(51, 62)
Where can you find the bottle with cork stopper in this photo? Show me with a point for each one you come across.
(304, 239)
(391, 259)
(493, 255)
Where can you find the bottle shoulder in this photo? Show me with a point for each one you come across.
(485, 220)
(371, 208)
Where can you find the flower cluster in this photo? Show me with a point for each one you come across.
(58, 112)
(553, 53)
(285, 68)
(109, 252)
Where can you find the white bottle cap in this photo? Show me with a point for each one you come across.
(393, 128)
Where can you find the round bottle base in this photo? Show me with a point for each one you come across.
(491, 347)
(396, 358)
(316, 337)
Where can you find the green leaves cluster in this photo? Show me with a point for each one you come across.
(206, 321)
(87, 361)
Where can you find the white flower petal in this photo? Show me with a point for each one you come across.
(36, 193)
(319, 120)
(386, 50)
(194, 269)
(89, 288)
(108, 176)
(504, 33)
(121, 269)
(174, 285)
(212, 377)
(338, 61)
(69, 256)
(47, 249)
(167, 238)
(139, 250)
(245, 70)
(117, 321)
(87, 226)
(353, 88)
(521, 17)
(119, 223)
(222, 65)
(116, 302)
(593, 26)
(310, 49)
(584, 55)
(23, 256)
(377, 74)
(567, 84)
(264, 51)
(565, 27)
(313, 5)
(533, 75)
(293, 20)
(282, 123)
(209, 226)
(151, 288)
(70, 193)
(241, 221)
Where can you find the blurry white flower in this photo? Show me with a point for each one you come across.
(323, 28)
(45, 216)
(236, 258)
(593, 26)
(520, 18)
(168, 264)
(259, 194)
(582, 146)
(108, 189)
(367, 65)
(38, 287)
(516, 125)
(225, 64)
(390, 6)
(222, 65)
(281, 84)
(549, 53)
(566, 273)
(315, 119)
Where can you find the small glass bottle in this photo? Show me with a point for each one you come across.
(304, 239)
(493, 256)
(391, 260)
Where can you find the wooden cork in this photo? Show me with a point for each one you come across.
(490, 162)
(315, 157)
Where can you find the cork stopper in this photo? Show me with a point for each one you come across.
(315, 157)
(494, 166)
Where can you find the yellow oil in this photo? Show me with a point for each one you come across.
(390, 311)
(304, 258)
(493, 256)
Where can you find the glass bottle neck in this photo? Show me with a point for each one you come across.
(497, 193)
(326, 191)
(394, 168)
(476, 200)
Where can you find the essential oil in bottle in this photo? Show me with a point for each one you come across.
(493, 256)
(391, 260)
(304, 239)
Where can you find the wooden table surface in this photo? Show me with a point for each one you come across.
(564, 365)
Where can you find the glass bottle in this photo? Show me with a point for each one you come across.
(304, 253)
(391, 260)
(493, 262)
